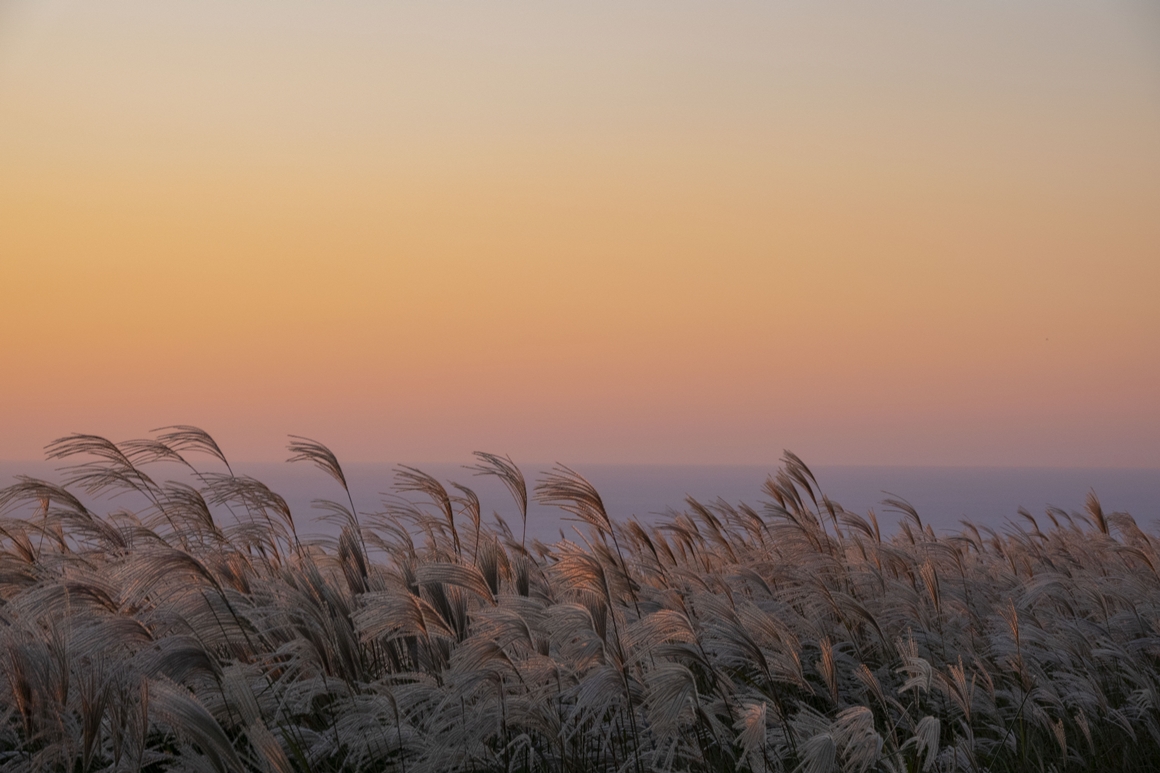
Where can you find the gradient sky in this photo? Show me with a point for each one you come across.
(686, 232)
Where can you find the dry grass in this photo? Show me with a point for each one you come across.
(198, 632)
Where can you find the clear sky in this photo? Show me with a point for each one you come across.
(874, 233)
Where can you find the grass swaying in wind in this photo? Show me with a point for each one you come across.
(196, 630)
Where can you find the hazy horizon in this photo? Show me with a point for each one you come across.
(543, 463)
(943, 496)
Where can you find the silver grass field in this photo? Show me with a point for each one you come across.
(188, 628)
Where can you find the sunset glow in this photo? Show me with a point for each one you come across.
(658, 232)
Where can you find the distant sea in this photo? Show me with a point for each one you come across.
(943, 496)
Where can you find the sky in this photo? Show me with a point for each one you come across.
(903, 233)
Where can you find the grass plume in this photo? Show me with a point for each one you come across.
(194, 631)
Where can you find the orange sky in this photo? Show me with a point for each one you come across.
(899, 233)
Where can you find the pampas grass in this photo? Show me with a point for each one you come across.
(193, 630)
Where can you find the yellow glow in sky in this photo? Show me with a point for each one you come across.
(904, 233)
